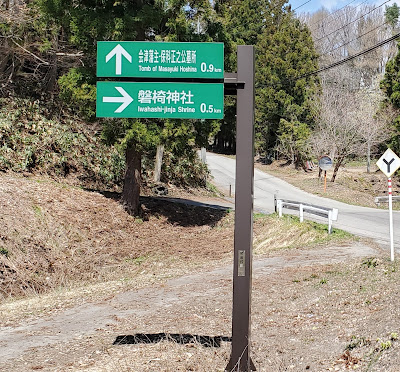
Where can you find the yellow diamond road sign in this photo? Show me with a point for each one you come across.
(388, 163)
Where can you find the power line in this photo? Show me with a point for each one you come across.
(358, 37)
(323, 37)
(328, 23)
(337, 10)
(347, 59)
(303, 4)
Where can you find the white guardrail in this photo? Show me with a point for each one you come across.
(330, 213)
(385, 199)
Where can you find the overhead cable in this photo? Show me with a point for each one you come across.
(328, 23)
(358, 37)
(302, 5)
(337, 10)
(347, 59)
(323, 37)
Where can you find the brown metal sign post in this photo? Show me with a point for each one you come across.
(242, 271)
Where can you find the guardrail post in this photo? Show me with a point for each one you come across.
(329, 222)
(301, 212)
(279, 206)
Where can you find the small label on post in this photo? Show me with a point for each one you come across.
(241, 263)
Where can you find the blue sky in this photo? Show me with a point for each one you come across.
(314, 5)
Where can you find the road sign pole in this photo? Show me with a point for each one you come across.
(391, 219)
(388, 163)
(240, 357)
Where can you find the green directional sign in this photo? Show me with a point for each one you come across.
(160, 100)
(149, 59)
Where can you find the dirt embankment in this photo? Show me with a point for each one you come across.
(331, 306)
(53, 235)
(57, 236)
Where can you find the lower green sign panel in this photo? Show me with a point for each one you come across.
(160, 100)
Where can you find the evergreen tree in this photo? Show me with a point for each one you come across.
(285, 52)
(392, 14)
(84, 23)
(390, 85)
(244, 21)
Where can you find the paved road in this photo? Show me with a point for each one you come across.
(368, 222)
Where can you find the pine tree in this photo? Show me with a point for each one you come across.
(390, 85)
(84, 23)
(285, 52)
(244, 21)
(392, 14)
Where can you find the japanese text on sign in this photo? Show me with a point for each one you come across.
(160, 100)
(167, 56)
(161, 96)
(160, 59)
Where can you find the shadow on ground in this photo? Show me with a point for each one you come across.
(182, 212)
(153, 338)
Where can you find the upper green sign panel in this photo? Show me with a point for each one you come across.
(149, 59)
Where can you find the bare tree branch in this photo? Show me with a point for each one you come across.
(32, 54)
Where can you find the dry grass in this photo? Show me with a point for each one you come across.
(288, 232)
(54, 236)
(335, 317)
(164, 356)
(65, 245)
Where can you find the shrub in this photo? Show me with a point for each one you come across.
(29, 142)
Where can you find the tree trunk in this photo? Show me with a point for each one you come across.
(368, 157)
(337, 166)
(203, 155)
(132, 180)
(158, 165)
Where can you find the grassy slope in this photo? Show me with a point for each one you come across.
(55, 236)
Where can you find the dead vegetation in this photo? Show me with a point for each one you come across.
(306, 314)
(318, 317)
(57, 236)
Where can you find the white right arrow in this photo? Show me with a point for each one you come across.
(118, 52)
(126, 100)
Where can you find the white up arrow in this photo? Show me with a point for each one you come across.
(118, 52)
(126, 99)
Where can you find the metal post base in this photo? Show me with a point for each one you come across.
(242, 367)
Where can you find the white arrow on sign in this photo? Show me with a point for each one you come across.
(126, 100)
(118, 52)
(388, 163)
